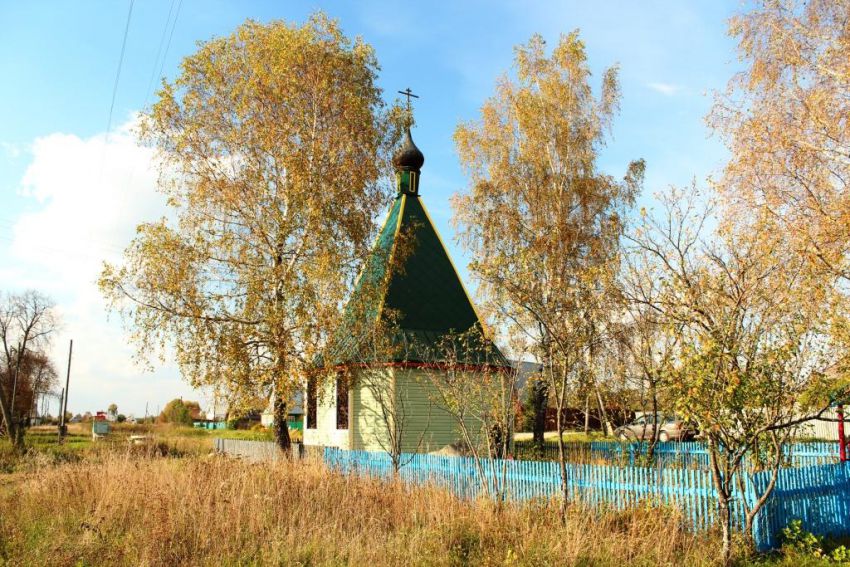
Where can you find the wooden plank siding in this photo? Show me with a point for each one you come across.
(368, 426)
(426, 426)
(416, 393)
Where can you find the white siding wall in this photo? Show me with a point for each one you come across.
(825, 430)
(325, 432)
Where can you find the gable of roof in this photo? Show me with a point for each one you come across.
(409, 284)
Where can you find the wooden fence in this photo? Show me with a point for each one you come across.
(692, 454)
(819, 495)
(250, 450)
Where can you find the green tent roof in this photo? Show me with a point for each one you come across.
(410, 284)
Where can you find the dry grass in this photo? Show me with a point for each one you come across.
(130, 509)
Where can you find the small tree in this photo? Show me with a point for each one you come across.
(177, 412)
(470, 383)
(380, 340)
(27, 323)
(651, 340)
(393, 410)
(542, 223)
(754, 339)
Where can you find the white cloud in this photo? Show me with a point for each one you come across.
(84, 199)
(667, 89)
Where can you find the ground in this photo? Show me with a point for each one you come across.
(552, 436)
(173, 502)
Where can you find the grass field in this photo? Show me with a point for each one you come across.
(172, 502)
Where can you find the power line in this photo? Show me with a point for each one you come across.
(161, 62)
(171, 35)
(118, 73)
(159, 51)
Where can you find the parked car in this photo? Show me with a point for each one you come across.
(666, 428)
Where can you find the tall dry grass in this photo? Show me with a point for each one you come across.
(132, 510)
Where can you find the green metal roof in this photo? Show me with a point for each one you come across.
(410, 285)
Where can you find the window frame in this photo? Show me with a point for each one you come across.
(343, 406)
(310, 417)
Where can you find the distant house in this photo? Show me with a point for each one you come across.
(525, 370)
(295, 412)
(216, 413)
(418, 286)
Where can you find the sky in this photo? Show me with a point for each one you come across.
(74, 182)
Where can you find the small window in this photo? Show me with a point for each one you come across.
(341, 402)
(312, 401)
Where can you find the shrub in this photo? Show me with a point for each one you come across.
(798, 541)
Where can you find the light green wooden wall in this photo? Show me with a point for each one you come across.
(369, 432)
(426, 426)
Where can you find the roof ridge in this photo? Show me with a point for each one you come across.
(387, 276)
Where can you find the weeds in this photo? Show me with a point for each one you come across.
(131, 509)
(170, 502)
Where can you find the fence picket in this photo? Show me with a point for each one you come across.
(818, 493)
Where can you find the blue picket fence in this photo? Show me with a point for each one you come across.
(811, 494)
(817, 495)
(690, 454)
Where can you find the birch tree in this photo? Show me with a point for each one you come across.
(541, 222)
(274, 144)
(393, 409)
(784, 119)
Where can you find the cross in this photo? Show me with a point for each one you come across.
(408, 93)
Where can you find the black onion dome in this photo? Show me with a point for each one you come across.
(408, 157)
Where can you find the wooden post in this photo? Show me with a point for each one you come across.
(842, 441)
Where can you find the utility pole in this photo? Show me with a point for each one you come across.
(63, 427)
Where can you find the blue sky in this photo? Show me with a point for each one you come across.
(71, 197)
